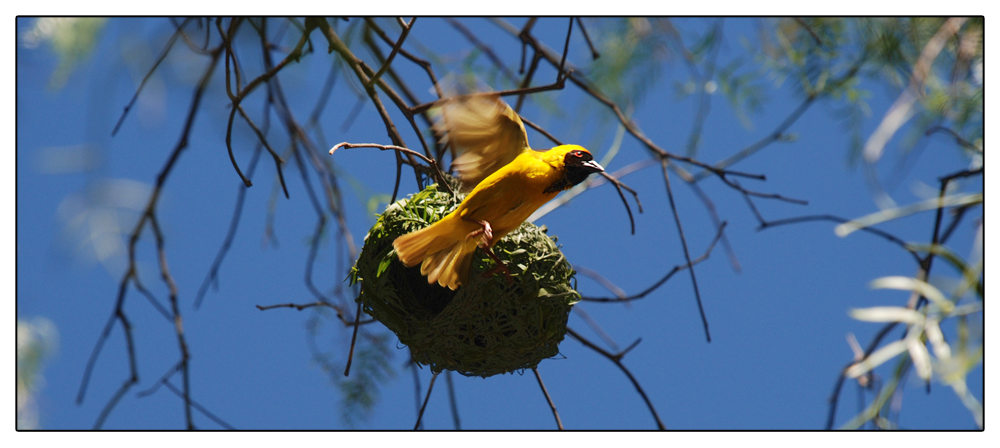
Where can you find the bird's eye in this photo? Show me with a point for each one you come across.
(578, 153)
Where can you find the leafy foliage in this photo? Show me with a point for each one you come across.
(370, 369)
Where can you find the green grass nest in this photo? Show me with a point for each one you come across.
(484, 328)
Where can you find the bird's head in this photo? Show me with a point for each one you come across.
(578, 162)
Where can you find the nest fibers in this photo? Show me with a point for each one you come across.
(483, 328)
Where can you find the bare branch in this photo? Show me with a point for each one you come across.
(617, 359)
(482, 47)
(392, 55)
(687, 255)
(958, 138)
(809, 29)
(593, 51)
(354, 340)
(452, 401)
(552, 405)
(147, 215)
(430, 387)
(163, 55)
(666, 277)
(433, 164)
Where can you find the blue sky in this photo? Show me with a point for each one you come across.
(779, 326)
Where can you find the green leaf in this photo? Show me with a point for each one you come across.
(384, 264)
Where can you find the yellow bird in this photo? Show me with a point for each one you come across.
(510, 182)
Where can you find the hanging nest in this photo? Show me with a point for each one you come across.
(483, 328)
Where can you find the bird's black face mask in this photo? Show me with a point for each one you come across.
(579, 165)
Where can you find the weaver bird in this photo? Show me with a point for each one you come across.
(509, 181)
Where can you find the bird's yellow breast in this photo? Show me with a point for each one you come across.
(510, 195)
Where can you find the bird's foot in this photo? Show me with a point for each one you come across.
(486, 231)
(501, 267)
(485, 244)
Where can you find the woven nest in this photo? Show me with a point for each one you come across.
(483, 328)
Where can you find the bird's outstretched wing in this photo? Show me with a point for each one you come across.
(485, 134)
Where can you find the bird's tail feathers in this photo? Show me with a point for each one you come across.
(442, 258)
(449, 267)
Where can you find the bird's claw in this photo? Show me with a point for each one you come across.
(486, 231)
(501, 267)
(487, 242)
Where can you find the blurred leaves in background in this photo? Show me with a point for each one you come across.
(37, 340)
(70, 38)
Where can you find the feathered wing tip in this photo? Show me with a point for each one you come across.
(485, 134)
(443, 259)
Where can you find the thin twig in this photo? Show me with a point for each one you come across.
(617, 359)
(229, 148)
(335, 44)
(131, 272)
(178, 321)
(433, 164)
(736, 186)
(452, 401)
(430, 387)
(562, 62)
(611, 287)
(809, 29)
(774, 136)
(552, 405)
(958, 138)
(526, 82)
(471, 37)
(202, 409)
(558, 85)
(421, 62)
(593, 51)
(354, 340)
(163, 379)
(687, 254)
(152, 299)
(717, 222)
(666, 277)
(274, 155)
(163, 55)
(392, 55)
(596, 327)
(302, 306)
(832, 411)
(416, 385)
(881, 233)
(212, 276)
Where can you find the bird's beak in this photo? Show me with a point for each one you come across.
(593, 166)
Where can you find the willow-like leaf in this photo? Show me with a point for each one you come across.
(876, 359)
(888, 314)
(921, 358)
(918, 286)
(893, 213)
